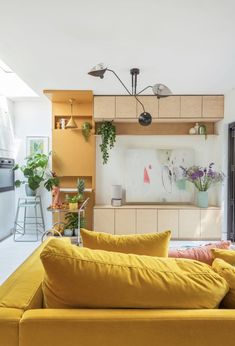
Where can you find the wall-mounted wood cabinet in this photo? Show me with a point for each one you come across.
(185, 222)
(172, 108)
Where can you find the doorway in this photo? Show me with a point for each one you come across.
(231, 182)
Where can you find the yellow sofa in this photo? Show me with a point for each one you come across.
(24, 321)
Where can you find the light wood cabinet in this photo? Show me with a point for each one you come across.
(169, 220)
(150, 104)
(210, 224)
(104, 220)
(213, 106)
(189, 224)
(126, 107)
(169, 107)
(104, 107)
(146, 221)
(125, 221)
(191, 107)
(185, 223)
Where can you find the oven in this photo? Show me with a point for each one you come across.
(7, 176)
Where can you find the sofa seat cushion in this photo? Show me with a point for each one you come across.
(226, 255)
(153, 244)
(200, 253)
(84, 278)
(227, 271)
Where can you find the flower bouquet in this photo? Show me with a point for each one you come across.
(202, 178)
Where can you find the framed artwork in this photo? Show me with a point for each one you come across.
(37, 145)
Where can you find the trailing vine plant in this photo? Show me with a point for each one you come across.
(108, 137)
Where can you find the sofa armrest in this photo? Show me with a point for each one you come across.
(9, 326)
(89, 327)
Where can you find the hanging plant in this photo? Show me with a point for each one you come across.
(108, 137)
(86, 130)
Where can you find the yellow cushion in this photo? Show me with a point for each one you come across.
(226, 255)
(153, 244)
(227, 271)
(83, 278)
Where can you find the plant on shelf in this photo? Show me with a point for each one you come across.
(51, 181)
(86, 130)
(72, 221)
(33, 171)
(108, 137)
(203, 178)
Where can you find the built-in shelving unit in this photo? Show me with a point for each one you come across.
(72, 155)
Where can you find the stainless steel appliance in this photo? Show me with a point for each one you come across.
(7, 176)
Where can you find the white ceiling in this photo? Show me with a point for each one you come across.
(189, 45)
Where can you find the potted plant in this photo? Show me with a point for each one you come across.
(72, 222)
(108, 137)
(202, 178)
(33, 171)
(86, 130)
(72, 201)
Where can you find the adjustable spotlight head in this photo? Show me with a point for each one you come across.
(98, 71)
(161, 90)
(145, 119)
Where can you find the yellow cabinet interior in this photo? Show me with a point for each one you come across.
(72, 155)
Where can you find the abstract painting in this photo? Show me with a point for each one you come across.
(36, 145)
(154, 175)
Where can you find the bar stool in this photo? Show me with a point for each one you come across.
(26, 204)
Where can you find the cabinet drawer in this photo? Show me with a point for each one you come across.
(146, 221)
(169, 220)
(213, 106)
(211, 224)
(126, 107)
(104, 220)
(150, 104)
(169, 107)
(125, 221)
(191, 107)
(104, 107)
(189, 224)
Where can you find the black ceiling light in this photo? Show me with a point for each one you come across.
(160, 90)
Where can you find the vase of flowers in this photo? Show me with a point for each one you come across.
(202, 178)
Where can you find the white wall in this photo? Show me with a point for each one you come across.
(32, 118)
(7, 199)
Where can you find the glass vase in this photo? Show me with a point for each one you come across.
(202, 199)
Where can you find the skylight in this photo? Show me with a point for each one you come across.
(11, 85)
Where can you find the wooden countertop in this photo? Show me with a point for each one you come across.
(156, 206)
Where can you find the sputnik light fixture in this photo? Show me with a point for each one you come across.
(71, 123)
(160, 90)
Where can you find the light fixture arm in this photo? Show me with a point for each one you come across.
(147, 87)
(127, 89)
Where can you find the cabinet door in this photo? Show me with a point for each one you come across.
(126, 107)
(146, 220)
(211, 224)
(169, 107)
(213, 106)
(125, 221)
(150, 104)
(169, 220)
(189, 224)
(191, 107)
(72, 155)
(104, 220)
(104, 107)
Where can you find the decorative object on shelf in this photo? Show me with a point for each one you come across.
(68, 232)
(63, 123)
(56, 198)
(107, 131)
(58, 125)
(196, 127)
(34, 172)
(86, 130)
(37, 145)
(160, 90)
(202, 130)
(192, 131)
(203, 178)
(116, 200)
(81, 187)
(71, 123)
